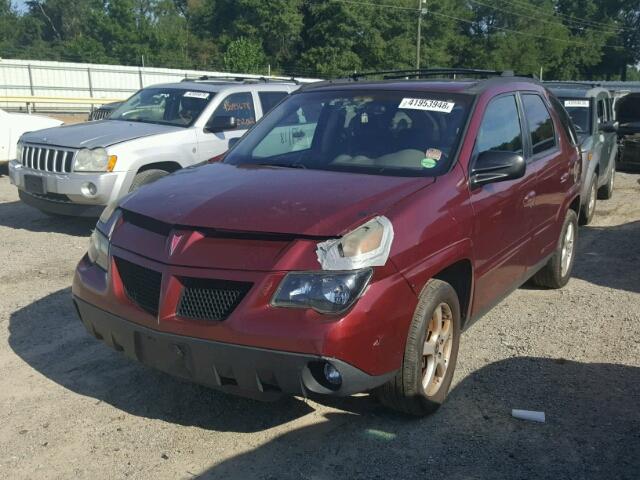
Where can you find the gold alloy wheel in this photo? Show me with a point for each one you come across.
(567, 249)
(436, 351)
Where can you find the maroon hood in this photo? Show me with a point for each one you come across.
(270, 199)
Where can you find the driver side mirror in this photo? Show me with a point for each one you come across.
(609, 127)
(494, 166)
(220, 124)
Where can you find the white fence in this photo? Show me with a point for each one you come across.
(64, 86)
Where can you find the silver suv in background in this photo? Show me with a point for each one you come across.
(78, 169)
(590, 109)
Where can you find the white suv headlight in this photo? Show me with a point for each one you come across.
(96, 160)
(19, 151)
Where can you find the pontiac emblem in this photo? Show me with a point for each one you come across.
(174, 242)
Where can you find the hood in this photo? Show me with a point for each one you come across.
(96, 134)
(270, 199)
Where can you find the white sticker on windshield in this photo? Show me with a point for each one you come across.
(203, 95)
(577, 103)
(427, 104)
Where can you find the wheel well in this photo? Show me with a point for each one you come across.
(459, 276)
(166, 166)
(575, 205)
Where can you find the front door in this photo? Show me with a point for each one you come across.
(238, 105)
(502, 210)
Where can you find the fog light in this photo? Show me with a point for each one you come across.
(332, 374)
(89, 189)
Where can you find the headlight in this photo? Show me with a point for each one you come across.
(19, 151)
(99, 249)
(325, 292)
(96, 160)
(366, 246)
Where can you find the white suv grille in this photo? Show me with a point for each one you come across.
(56, 160)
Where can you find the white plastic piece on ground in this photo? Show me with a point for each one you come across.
(530, 415)
(330, 256)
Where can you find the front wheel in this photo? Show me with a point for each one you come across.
(557, 271)
(606, 191)
(422, 383)
(146, 177)
(589, 208)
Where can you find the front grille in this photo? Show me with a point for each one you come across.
(52, 197)
(215, 300)
(56, 160)
(100, 114)
(141, 284)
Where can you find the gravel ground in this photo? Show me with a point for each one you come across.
(72, 408)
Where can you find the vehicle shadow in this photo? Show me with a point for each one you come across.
(610, 256)
(48, 335)
(20, 216)
(591, 431)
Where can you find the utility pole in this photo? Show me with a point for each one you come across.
(421, 11)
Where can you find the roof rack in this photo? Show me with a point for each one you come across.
(435, 72)
(239, 79)
(574, 83)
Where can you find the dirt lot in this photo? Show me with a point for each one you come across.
(72, 408)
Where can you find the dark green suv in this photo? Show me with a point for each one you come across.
(590, 108)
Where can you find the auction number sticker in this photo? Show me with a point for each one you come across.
(427, 104)
(577, 103)
(203, 95)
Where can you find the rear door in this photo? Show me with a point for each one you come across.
(553, 171)
(239, 105)
(268, 100)
(502, 210)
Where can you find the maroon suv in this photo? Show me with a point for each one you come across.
(345, 242)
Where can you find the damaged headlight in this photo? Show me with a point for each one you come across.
(325, 292)
(366, 246)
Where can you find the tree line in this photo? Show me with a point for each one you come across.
(563, 39)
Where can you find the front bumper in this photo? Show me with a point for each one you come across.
(70, 185)
(242, 370)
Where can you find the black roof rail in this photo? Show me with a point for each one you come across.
(435, 72)
(575, 83)
(239, 79)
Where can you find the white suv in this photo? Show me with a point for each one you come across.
(78, 169)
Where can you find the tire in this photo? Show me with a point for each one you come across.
(553, 274)
(589, 208)
(146, 177)
(405, 392)
(606, 191)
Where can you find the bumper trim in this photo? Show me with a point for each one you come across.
(253, 372)
(60, 208)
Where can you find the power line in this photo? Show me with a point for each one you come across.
(551, 22)
(470, 22)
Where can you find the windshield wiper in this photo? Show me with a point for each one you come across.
(283, 165)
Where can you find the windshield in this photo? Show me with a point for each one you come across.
(376, 132)
(165, 106)
(579, 109)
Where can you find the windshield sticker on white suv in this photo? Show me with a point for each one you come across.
(427, 104)
(577, 103)
(203, 95)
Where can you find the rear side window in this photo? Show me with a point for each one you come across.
(602, 111)
(543, 135)
(240, 106)
(268, 100)
(565, 121)
(500, 129)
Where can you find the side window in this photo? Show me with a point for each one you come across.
(543, 136)
(240, 106)
(500, 129)
(565, 121)
(268, 100)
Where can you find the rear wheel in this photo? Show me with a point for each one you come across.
(589, 208)
(146, 177)
(422, 383)
(606, 191)
(556, 273)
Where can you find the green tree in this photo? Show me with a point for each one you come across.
(244, 56)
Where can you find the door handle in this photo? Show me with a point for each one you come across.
(529, 199)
